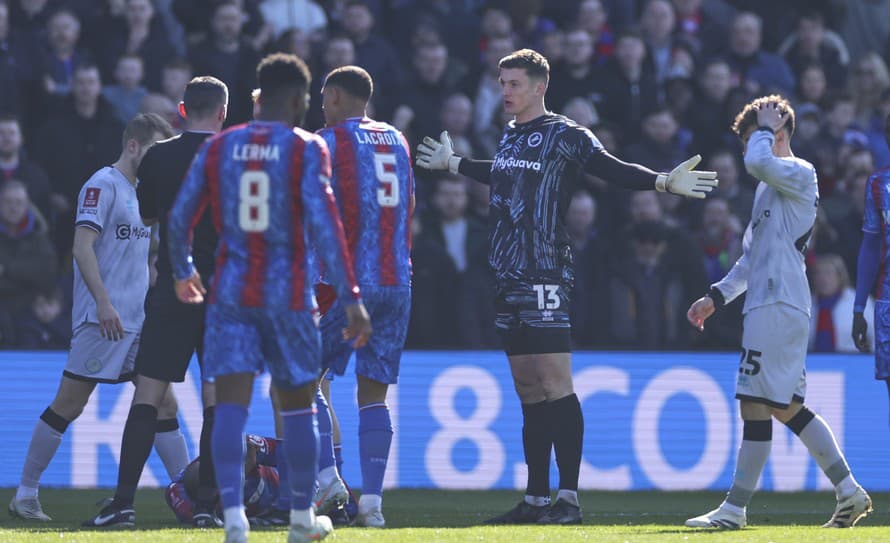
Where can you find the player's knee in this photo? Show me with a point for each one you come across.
(530, 391)
(785, 415)
(68, 408)
(168, 408)
(371, 391)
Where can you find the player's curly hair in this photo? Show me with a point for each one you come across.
(533, 62)
(746, 120)
(279, 72)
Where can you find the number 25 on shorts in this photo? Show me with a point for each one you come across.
(750, 364)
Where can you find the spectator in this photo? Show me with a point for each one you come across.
(31, 18)
(574, 76)
(63, 33)
(658, 22)
(593, 18)
(738, 195)
(457, 24)
(226, 55)
(833, 298)
(720, 239)
(426, 90)
(758, 71)
(17, 74)
(338, 51)
(127, 93)
(47, 325)
(161, 105)
(174, 78)
(813, 43)
(840, 114)
(27, 259)
(486, 90)
(15, 164)
(844, 211)
(659, 148)
(582, 112)
(456, 117)
(294, 42)
(877, 141)
(713, 84)
(80, 139)
(628, 91)
(553, 45)
(304, 15)
(705, 23)
(808, 125)
(589, 312)
(868, 81)
(374, 54)
(647, 298)
(142, 34)
(812, 83)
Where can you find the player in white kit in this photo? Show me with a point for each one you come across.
(110, 282)
(772, 376)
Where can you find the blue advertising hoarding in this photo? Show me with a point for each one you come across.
(652, 421)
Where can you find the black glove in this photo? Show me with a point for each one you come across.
(860, 332)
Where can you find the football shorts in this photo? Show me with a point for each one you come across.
(534, 319)
(97, 359)
(772, 370)
(172, 333)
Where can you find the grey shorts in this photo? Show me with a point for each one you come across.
(99, 360)
(774, 352)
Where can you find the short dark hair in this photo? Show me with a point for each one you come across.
(144, 126)
(204, 95)
(84, 65)
(533, 62)
(746, 120)
(280, 72)
(352, 79)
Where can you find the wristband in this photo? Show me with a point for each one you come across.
(661, 182)
(717, 296)
(454, 164)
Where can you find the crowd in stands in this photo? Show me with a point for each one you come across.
(655, 80)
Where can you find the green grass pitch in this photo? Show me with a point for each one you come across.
(435, 515)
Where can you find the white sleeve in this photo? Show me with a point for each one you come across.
(736, 281)
(94, 204)
(787, 175)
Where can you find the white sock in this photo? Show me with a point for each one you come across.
(327, 476)
(24, 492)
(732, 508)
(302, 517)
(369, 502)
(173, 451)
(235, 518)
(537, 501)
(45, 442)
(846, 488)
(570, 496)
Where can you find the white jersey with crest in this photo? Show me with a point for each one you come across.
(107, 204)
(772, 267)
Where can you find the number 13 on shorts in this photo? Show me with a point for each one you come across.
(548, 297)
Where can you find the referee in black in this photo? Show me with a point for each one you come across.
(173, 331)
(537, 167)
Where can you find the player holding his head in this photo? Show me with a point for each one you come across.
(374, 185)
(173, 331)
(269, 193)
(772, 272)
(538, 165)
(110, 282)
(872, 268)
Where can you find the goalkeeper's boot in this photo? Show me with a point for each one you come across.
(523, 513)
(320, 529)
(562, 512)
(331, 496)
(719, 518)
(271, 518)
(205, 517)
(115, 515)
(28, 509)
(850, 510)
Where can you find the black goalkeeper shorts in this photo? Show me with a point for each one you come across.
(533, 319)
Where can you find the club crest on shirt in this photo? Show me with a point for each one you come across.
(535, 139)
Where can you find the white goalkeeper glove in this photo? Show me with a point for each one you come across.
(438, 154)
(685, 181)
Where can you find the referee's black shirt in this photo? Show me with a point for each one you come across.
(160, 175)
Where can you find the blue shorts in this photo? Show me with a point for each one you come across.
(248, 340)
(882, 340)
(390, 310)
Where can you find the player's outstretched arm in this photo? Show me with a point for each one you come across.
(433, 154)
(682, 180)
